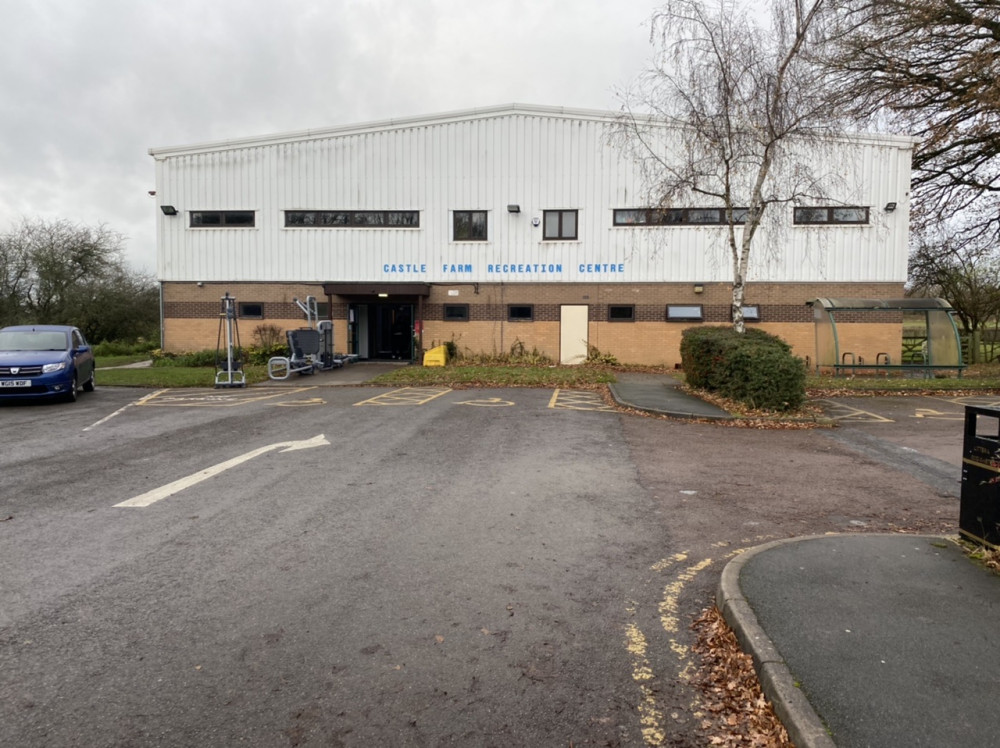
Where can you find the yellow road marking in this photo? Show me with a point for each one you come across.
(216, 399)
(406, 396)
(578, 400)
(489, 402)
(841, 412)
(650, 716)
(938, 415)
(297, 403)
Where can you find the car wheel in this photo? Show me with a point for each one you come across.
(71, 392)
(91, 382)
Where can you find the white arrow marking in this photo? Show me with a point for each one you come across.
(151, 497)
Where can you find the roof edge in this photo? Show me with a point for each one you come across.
(395, 123)
(463, 115)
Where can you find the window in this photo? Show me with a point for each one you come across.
(559, 224)
(456, 312)
(231, 218)
(684, 312)
(352, 218)
(827, 215)
(520, 313)
(751, 313)
(323, 309)
(621, 313)
(677, 216)
(469, 225)
(251, 310)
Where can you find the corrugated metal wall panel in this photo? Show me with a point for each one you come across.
(537, 162)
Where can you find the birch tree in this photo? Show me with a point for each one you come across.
(743, 103)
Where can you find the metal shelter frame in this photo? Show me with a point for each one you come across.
(942, 349)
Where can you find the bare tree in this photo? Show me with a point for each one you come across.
(930, 68)
(963, 269)
(746, 109)
(59, 271)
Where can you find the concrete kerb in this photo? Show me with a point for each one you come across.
(804, 726)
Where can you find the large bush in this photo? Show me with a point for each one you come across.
(754, 368)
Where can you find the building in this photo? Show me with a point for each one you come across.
(500, 228)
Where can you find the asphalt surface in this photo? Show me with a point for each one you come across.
(864, 640)
(388, 610)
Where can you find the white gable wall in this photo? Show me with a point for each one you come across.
(538, 158)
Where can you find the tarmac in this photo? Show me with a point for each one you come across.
(858, 640)
(864, 640)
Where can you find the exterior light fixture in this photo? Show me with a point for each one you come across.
(889, 207)
(168, 210)
(513, 208)
(698, 288)
(383, 296)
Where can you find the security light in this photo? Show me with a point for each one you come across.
(513, 208)
(168, 210)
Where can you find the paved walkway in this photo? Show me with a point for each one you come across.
(871, 640)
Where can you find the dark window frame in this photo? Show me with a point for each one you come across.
(243, 305)
(352, 219)
(226, 219)
(529, 317)
(561, 235)
(621, 307)
(651, 217)
(464, 317)
(470, 225)
(685, 317)
(830, 218)
(749, 316)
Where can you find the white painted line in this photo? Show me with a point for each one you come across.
(151, 497)
(140, 401)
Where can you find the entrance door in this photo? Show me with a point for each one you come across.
(573, 333)
(383, 331)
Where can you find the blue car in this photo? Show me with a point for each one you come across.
(45, 361)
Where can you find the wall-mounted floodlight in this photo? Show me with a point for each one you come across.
(889, 207)
(168, 210)
(699, 288)
(513, 208)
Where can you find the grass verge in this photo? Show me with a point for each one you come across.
(497, 376)
(163, 377)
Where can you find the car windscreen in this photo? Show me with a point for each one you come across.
(30, 340)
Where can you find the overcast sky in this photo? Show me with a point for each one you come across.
(88, 86)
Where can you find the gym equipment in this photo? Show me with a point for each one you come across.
(229, 370)
(311, 347)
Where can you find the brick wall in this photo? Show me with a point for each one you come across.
(191, 315)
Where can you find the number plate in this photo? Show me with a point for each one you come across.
(15, 382)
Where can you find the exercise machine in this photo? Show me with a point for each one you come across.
(310, 347)
(229, 367)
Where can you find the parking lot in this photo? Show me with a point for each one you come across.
(358, 566)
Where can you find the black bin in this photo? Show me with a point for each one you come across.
(979, 514)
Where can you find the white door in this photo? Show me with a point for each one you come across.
(573, 331)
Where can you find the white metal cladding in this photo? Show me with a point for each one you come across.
(537, 158)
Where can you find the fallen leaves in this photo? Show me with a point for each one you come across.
(736, 711)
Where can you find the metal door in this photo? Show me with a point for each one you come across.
(573, 333)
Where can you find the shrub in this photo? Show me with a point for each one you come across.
(121, 348)
(268, 336)
(754, 368)
(195, 358)
(594, 356)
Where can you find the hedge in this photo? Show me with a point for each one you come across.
(755, 367)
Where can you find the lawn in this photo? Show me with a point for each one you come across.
(164, 377)
(982, 378)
